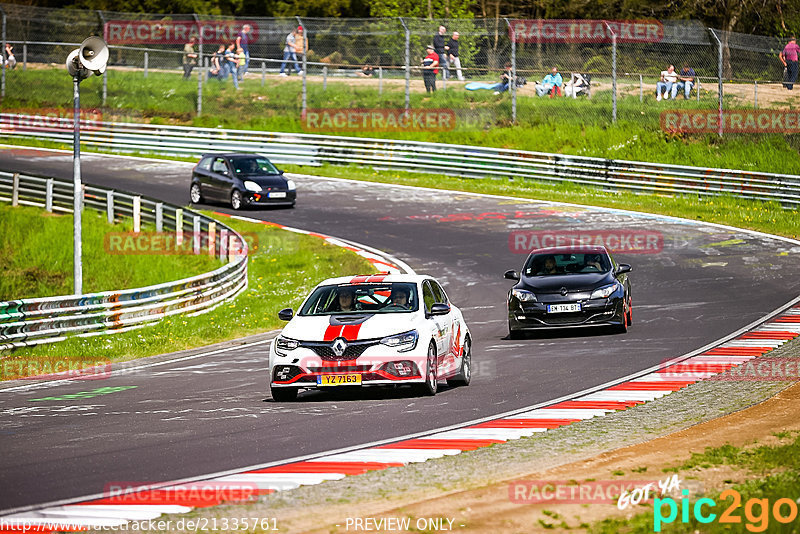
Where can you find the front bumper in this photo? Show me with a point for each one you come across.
(268, 198)
(597, 312)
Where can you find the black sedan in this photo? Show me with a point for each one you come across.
(564, 287)
(242, 180)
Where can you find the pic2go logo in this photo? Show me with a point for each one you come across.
(756, 511)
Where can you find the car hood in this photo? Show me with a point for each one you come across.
(572, 282)
(270, 180)
(349, 326)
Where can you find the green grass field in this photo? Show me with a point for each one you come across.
(36, 256)
(564, 125)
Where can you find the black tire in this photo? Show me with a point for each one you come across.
(630, 313)
(283, 394)
(464, 374)
(431, 384)
(515, 334)
(195, 195)
(237, 201)
(624, 326)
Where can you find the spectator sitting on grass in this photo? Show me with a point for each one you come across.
(10, 60)
(551, 84)
(686, 82)
(505, 79)
(668, 78)
(367, 71)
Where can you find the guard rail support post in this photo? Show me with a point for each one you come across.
(159, 217)
(223, 243)
(146, 61)
(212, 239)
(641, 89)
(3, 51)
(15, 191)
(232, 248)
(196, 234)
(263, 73)
(305, 64)
(380, 80)
(325, 78)
(110, 207)
(719, 78)
(48, 199)
(178, 227)
(407, 63)
(137, 214)
(25, 56)
(755, 94)
(513, 80)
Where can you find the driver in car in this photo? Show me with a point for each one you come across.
(593, 261)
(399, 297)
(346, 300)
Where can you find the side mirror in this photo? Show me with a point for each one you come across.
(511, 275)
(286, 314)
(623, 268)
(280, 172)
(439, 309)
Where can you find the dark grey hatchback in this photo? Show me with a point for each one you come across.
(241, 180)
(564, 287)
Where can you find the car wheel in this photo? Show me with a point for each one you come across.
(431, 379)
(283, 394)
(630, 313)
(624, 326)
(464, 374)
(195, 195)
(236, 199)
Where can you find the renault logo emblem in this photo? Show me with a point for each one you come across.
(339, 346)
(563, 291)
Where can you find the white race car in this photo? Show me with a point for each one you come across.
(371, 330)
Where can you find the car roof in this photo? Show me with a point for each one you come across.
(582, 249)
(231, 154)
(375, 278)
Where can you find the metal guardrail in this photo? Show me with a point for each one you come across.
(412, 156)
(34, 321)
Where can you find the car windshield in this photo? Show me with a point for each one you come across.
(396, 297)
(253, 165)
(569, 263)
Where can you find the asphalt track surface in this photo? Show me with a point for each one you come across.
(213, 413)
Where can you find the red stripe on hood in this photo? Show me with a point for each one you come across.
(332, 332)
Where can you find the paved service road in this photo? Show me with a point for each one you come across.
(213, 413)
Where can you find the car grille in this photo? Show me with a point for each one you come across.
(340, 369)
(353, 350)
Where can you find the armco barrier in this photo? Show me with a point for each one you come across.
(28, 322)
(458, 160)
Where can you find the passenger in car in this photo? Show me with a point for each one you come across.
(399, 297)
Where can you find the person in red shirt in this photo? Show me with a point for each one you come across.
(430, 64)
(788, 57)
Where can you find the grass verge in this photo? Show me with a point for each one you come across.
(36, 256)
(283, 267)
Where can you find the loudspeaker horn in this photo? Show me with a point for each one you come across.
(93, 55)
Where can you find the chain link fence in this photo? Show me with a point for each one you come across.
(609, 70)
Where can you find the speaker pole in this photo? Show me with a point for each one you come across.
(77, 195)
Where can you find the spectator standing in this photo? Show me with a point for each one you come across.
(290, 52)
(551, 84)
(189, 58)
(217, 63)
(668, 78)
(230, 64)
(300, 45)
(788, 57)
(429, 69)
(241, 65)
(440, 48)
(455, 60)
(243, 42)
(685, 82)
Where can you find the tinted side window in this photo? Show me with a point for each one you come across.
(438, 292)
(219, 166)
(205, 164)
(427, 296)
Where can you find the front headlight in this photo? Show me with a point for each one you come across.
(285, 343)
(604, 292)
(291, 185)
(523, 296)
(252, 186)
(402, 342)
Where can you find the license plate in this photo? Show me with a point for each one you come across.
(563, 308)
(279, 194)
(339, 380)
